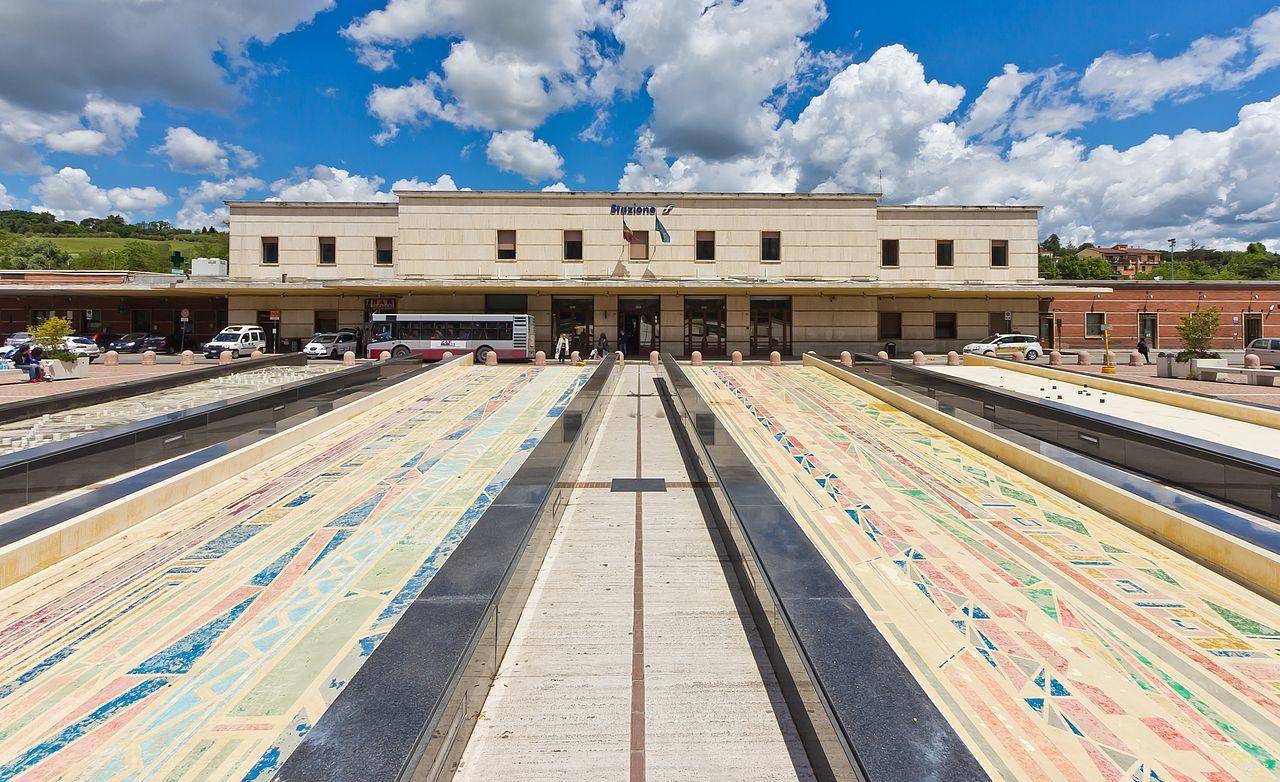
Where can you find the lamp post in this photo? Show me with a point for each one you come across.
(1172, 244)
(1108, 366)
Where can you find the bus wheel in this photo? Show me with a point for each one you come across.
(400, 351)
(482, 354)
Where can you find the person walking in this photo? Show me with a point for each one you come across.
(562, 347)
(1144, 349)
(602, 346)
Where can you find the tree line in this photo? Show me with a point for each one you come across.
(27, 241)
(1255, 262)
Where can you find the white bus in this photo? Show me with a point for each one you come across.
(431, 336)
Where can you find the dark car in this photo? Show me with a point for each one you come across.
(138, 342)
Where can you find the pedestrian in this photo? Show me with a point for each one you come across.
(891, 348)
(27, 363)
(1144, 349)
(602, 345)
(562, 347)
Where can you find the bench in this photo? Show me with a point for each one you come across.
(13, 376)
(1254, 377)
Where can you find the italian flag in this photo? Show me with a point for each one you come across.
(627, 234)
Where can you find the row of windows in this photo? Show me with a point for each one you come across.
(944, 253)
(704, 249)
(944, 325)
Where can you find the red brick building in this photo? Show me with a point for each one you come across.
(1249, 309)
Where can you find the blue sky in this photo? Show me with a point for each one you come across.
(1124, 119)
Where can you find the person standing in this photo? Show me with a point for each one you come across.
(562, 347)
(602, 345)
(1144, 350)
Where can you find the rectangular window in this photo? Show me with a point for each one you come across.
(328, 251)
(573, 245)
(891, 325)
(705, 249)
(944, 325)
(945, 254)
(270, 249)
(1000, 253)
(326, 321)
(889, 253)
(506, 245)
(639, 245)
(1093, 323)
(383, 247)
(771, 245)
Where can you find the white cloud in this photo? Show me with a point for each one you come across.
(558, 187)
(443, 182)
(69, 194)
(190, 152)
(519, 152)
(7, 201)
(324, 183)
(202, 205)
(100, 127)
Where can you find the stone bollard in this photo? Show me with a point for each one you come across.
(1018, 355)
(491, 358)
(110, 359)
(736, 358)
(882, 355)
(917, 358)
(539, 358)
(653, 358)
(1084, 358)
(256, 354)
(695, 358)
(187, 358)
(1252, 361)
(224, 357)
(775, 359)
(148, 358)
(846, 358)
(448, 354)
(622, 360)
(953, 358)
(349, 359)
(575, 357)
(384, 356)
(1135, 358)
(1055, 358)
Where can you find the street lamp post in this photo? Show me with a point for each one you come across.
(1173, 275)
(1108, 366)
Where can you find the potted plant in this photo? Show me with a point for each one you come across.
(1197, 330)
(57, 361)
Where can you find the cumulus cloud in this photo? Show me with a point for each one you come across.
(519, 152)
(190, 152)
(443, 182)
(7, 201)
(558, 187)
(101, 126)
(69, 194)
(202, 205)
(325, 183)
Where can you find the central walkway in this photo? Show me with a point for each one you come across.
(632, 659)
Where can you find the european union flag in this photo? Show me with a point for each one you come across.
(662, 230)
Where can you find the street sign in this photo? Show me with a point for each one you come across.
(275, 314)
(186, 313)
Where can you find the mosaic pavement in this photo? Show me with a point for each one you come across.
(56, 427)
(1059, 643)
(204, 643)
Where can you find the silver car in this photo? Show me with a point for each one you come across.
(1267, 351)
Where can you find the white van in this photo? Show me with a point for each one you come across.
(239, 340)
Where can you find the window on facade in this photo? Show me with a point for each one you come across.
(506, 245)
(891, 325)
(384, 250)
(270, 249)
(326, 320)
(639, 245)
(328, 250)
(944, 325)
(889, 253)
(771, 245)
(1093, 323)
(573, 245)
(945, 255)
(999, 252)
(705, 248)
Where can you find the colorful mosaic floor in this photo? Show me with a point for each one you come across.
(204, 643)
(1059, 643)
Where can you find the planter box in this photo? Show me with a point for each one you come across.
(66, 370)
(1196, 364)
(1167, 367)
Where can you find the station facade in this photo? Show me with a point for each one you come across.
(715, 272)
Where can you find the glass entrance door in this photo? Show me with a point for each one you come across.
(770, 325)
(575, 316)
(638, 325)
(1149, 329)
(704, 325)
(1252, 327)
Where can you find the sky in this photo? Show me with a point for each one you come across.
(1126, 121)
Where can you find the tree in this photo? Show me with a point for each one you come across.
(1256, 248)
(34, 254)
(1048, 268)
(1197, 330)
(51, 334)
(1074, 267)
(1053, 244)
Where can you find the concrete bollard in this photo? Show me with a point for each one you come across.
(736, 358)
(110, 359)
(1018, 355)
(491, 358)
(953, 358)
(187, 358)
(1055, 358)
(846, 358)
(622, 360)
(448, 354)
(148, 358)
(224, 357)
(882, 355)
(384, 356)
(575, 357)
(1084, 358)
(1252, 361)
(256, 354)
(539, 358)
(653, 357)
(1135, 358)
(349, 359)
(695, 358)
(775, 359)
(917, 358)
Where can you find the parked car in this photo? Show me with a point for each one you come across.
(83, 346)
(329, 345)
(1267, 351)
(133, 342)
(1006, 345)
(159, 344)
(238, 340)
(18, 339)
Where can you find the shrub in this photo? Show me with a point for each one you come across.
(52, 336)
(1197, 330)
